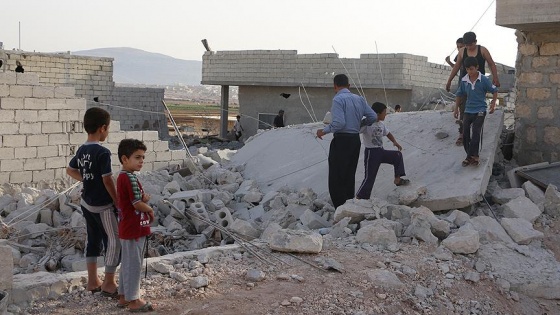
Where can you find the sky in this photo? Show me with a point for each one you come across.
(176, 27)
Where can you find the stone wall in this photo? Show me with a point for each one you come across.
(41, 129)
(537, 106)
(93, 77)
(537, 109)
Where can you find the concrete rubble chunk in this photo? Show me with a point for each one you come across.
(376, 235)
(354, 209)
(534, 193)
(199, 282)
(253, 197)
(521, 207)
(296, 241)
(396, 226)
(269, 231)
(162, 267)
(490, 230)
(521, 230)
(282, 217)
(458, 218)
(245, 229)
(503, 196)
(255, 275)
(464, 241)
(384, 278)
(313, 221)
(552, 201)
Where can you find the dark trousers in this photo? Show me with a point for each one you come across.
(472, 131)
(344, 153)
(373, 157)
(96, 236)
(461, 112)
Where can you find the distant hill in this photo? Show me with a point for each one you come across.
(135, 66)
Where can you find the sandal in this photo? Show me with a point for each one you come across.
(113, 295)
(475, 162)
(403, 182)
(125, 305)
(466, 162)
(459, 141)
(98, 289)
(144, 308)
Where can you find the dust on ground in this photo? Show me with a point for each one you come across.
(430, 286)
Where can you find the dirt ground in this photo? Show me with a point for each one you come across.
(295, 287)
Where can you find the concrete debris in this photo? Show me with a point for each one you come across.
(521, 207)
(552, 201)
(464, 241)
(503, 196)
(296, 241)
(521, 230)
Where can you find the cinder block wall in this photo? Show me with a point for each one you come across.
(41, 129)
(93, 77)
(287, 68)
(537, 109)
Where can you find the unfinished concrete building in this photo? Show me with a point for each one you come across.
(301, 84)
(537, 108)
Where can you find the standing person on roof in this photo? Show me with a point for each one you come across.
(482, 56)
(460, 44)
(279, 119)
(347, 110)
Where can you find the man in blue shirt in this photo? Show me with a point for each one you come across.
(474, 86)
(347, 111)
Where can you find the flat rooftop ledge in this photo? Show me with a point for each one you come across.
(292, 156)
(524, 14)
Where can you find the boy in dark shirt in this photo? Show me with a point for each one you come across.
(92, 166)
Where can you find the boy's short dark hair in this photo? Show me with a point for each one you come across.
(470, 62)
(397, 106)
(128, 146)
(460, 40)
(469, 38)
(95, 118)
(378, 107)
(341, 80)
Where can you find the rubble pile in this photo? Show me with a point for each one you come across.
(499, 242)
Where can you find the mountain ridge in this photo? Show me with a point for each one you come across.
(136, 66)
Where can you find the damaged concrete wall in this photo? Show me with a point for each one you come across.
(267, 100)
(41, 128)
(93, 77)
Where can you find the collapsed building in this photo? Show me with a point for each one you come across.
(251, 195)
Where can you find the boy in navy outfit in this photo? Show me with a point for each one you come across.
(92, 166)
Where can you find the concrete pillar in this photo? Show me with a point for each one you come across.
(224, 112)
(6, 267)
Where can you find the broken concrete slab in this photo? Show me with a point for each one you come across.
(552, 201)
(464, 241)
(521, 230)
(296, 241)
(534, 193)
(490, 230)
(530, 270)
(430, 162)
(521, 207)
(376, 235)
(502, 196)
(355, 209)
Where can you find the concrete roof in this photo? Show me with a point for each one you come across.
(293, 156)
